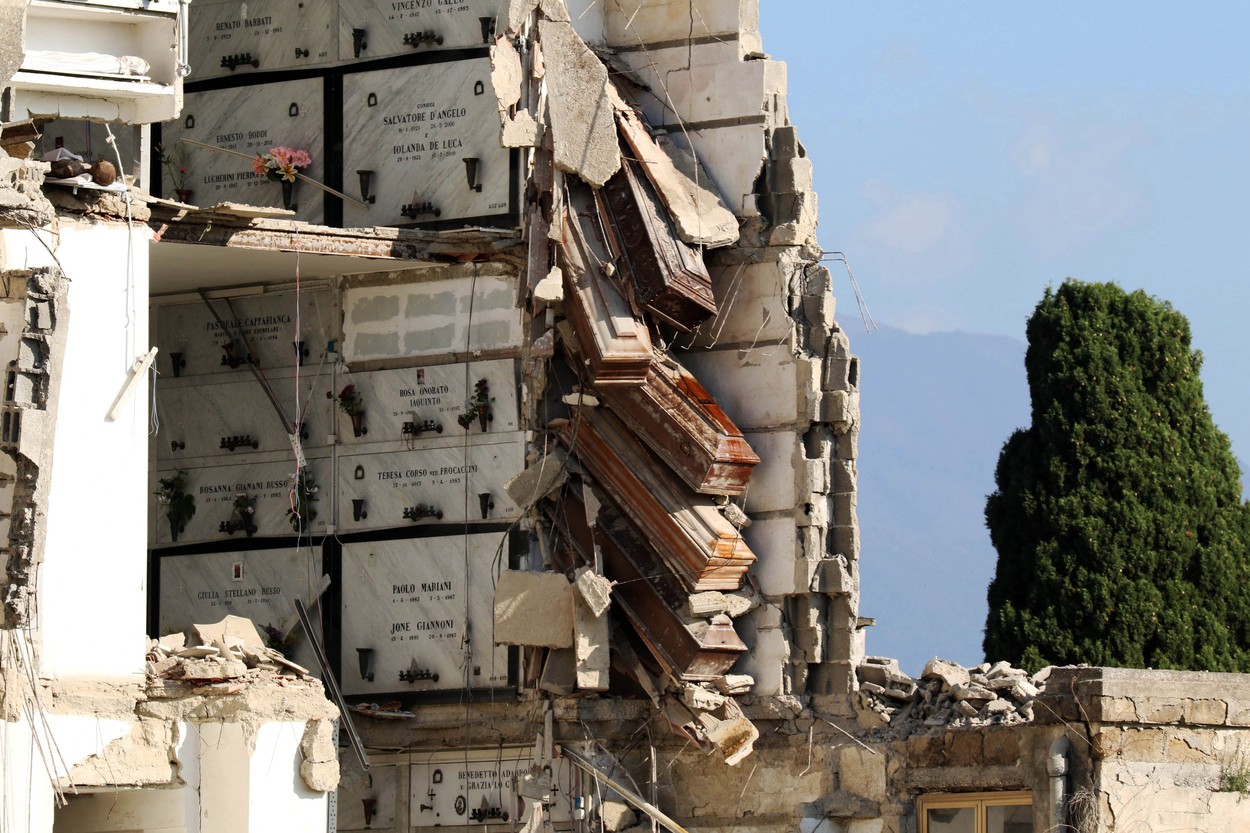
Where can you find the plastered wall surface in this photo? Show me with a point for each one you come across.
(92, 622)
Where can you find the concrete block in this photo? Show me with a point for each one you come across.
(669, 20)
(774, 545)
(832, 577)
(772, 487)
(815, 512)
(751, 300)
(861, 772)
(1000, 747)
(950, 673)
(559, 672)
(583, 128)
(865, 826)
(591, 648)
(533, 609)
(847, 445)
(617, 816)
(758, 388)
(595, 590)
(1206, 711)
(766, 662)
(844, 475)
(846, 541)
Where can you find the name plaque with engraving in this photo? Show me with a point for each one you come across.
(231, 418)
(428, 136)
(437, 404)
(240, 501)
(430, 486)
(370, 29)
(246, 36)
(260, 585)
(191, 335)
(251, 120)
(418, 615)
(478, 787)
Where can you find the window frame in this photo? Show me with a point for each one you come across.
(978, 802)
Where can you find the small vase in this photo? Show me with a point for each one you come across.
(173, 530)
(483, 414)
(358, 423)
(288, 194)
(184, 195)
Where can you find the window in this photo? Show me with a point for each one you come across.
(1004, 812)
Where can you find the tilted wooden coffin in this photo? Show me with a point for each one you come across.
(698, 544)
(668, 275)
(651, 598)
(613, 341)
(680, 421)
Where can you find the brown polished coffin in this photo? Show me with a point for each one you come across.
(699, 545)
(680, 421)
(651, 598)
(668, 276)
(614, 344)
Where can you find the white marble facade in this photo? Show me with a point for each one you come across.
(251, 120)
(277, 34)
(261, 585)
(414, 604)
(402, 27)
(447, 788)
(414, 128)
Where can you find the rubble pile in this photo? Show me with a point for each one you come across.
(226, 650)
(947, 694)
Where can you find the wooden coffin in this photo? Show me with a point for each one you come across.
(698, 544)
(668, 276)
(680, 421)
(648, 594)
(614, 343)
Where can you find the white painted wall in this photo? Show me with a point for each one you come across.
(25, 790)
(92, 584)
(276, 801)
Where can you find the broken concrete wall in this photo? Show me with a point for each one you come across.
(69, 373)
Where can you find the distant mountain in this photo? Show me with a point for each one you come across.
(936, 410)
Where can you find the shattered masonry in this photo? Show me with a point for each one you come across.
(26, 418)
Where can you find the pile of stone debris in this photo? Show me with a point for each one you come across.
(226, 650)
(947, 694)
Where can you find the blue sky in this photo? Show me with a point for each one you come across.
(967, 155)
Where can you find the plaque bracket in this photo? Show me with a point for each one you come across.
(232, 62)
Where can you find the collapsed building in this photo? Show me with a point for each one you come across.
(509, 401)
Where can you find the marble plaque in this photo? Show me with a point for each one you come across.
(414, 128)
(215, 489)
(251, 120)
(402, 27)
(413, 397)
(432, 318)
(191, 333)
(411, 601)
(225, 418)
(276, 34)
(448, 787)
(429, 482)
(261, 585)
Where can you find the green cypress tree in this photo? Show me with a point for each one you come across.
(1122, 535)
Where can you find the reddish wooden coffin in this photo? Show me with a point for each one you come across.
(651, 598)
(680, 421)
(698, 544)
(667, 274)
(614, 343)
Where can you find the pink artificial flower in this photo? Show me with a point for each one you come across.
(259, 166)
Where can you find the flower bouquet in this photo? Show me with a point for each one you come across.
(282, 164)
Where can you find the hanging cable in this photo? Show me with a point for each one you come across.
(864, 314)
